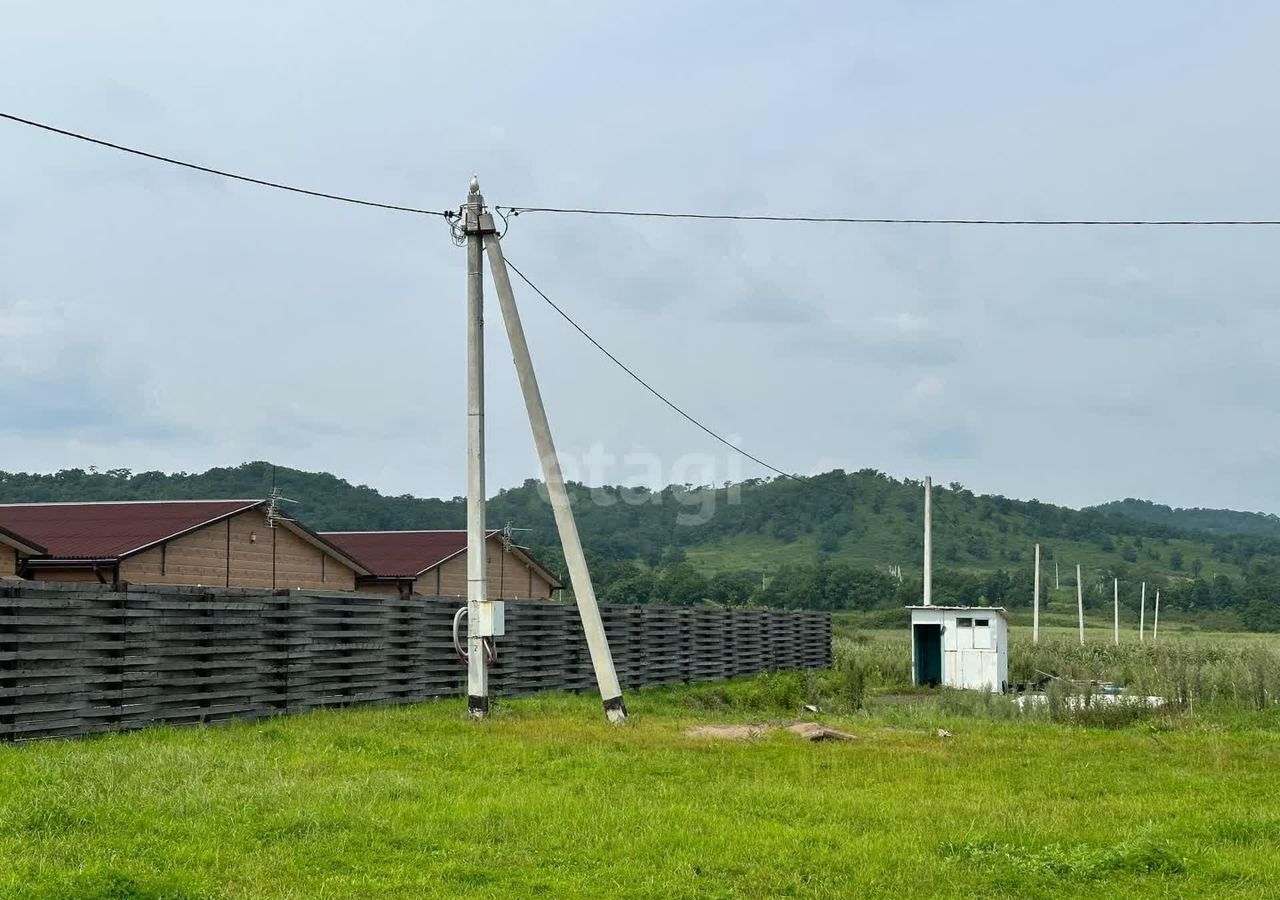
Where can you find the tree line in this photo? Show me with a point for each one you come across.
(637, 538)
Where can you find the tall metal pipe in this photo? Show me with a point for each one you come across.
(1035, 607)
(1116, 630)
(928, 540)
(1080, 603)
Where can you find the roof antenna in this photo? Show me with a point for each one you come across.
(509, 537)
(273, 502)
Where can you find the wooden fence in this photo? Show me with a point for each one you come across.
(80, 659)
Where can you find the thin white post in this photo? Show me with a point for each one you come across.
(928, 540)
(477, 568)
(575, 559)
(1155, 624)
(1035, 608)
(1142, 615)
(1057, 585)
(1116, 628)
(1080, 603)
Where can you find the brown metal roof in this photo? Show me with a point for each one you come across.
(112, 530)
(25, 544)
(407, 554)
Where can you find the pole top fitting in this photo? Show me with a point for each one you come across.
(474, 218)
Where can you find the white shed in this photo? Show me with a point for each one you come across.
(960, 646)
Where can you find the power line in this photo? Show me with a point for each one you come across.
(517, 210)
(650, 388)
(219, 172)
(850, 220)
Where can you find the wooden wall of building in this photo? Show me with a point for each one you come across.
(509, 577)
(302, 565)
(72, 573)
(8, 560)
(196, 558)
(449, 579)
(381, 588)
(239, 552)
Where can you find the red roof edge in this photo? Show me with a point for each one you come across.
(326, 545)
(24, 544)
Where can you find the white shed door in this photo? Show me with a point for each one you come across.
(982, 634)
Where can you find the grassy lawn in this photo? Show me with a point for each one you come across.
(547, 800)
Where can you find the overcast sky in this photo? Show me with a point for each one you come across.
(154, 318)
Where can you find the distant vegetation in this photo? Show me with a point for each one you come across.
(830, 542)
(1212, 521)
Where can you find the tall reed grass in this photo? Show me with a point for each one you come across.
(1182, 674)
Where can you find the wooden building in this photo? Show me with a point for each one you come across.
(214, 543)
(434, 563)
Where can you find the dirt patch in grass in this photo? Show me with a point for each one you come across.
(728, 732)
(810, 731)
(813, 731)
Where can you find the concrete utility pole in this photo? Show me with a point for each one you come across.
(575, 559)
(1142, 615)
(1035, 607)
(474, 227)
(928, 540)
(1155, 625)
(1117, 606)
(1057, 585)
(1080, 603)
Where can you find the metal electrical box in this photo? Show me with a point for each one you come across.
(491, 619)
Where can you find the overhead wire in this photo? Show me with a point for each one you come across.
(224, 174)
(652, 390)
(632, 213)
(852, 220)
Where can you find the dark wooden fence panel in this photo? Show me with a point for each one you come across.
(708, 636)
(665, 653)
(531, 651)
(625, 627)
(80, 659)
(61, 658)
(746, 633)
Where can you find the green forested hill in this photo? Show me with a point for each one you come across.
(1212, 521)
(830, 541)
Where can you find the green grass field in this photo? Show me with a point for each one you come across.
(545, 799)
